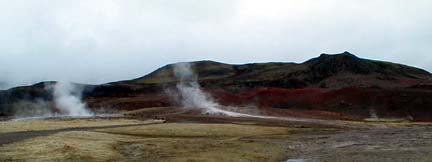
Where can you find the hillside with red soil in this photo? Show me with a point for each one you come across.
(340, 86)
(347, 103)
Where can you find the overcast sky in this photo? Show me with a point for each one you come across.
(97, 41)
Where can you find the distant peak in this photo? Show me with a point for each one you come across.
(339, 61)
(338, 56)
(198, 62)
(345, 53)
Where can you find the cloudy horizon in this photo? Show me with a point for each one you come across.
(99, 41)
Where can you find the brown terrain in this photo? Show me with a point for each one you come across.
(180, 135)
(340, 86)
(330, 108)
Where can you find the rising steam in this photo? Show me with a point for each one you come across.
(191, 94)
(66, 101)
(67, 98)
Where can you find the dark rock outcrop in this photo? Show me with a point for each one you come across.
(405, 90)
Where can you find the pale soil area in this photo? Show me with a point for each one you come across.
(195, 138)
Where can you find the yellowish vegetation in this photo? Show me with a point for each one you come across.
(148, 110)
(158, 142)
(386, 120)
(386, 123)
(52, 124)
(68, 146)
(197, 130)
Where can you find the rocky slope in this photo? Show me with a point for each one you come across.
(341, 86)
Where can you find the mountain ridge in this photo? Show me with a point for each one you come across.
(340, 83)
(311, 73)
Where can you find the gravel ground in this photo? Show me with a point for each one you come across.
(310, 140)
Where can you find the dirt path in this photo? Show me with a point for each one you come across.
(185, 115)
(411, 143)
(12, 137)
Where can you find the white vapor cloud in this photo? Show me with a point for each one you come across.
(97, 41)
(67, 98)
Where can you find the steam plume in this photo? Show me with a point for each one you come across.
(3, 85)
(66, 102)
(373, 114)
(191, 94)
(67, 98)
(38, 108)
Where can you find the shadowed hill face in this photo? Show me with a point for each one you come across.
(329, 71)
(14, 99)
(326, 71)
(326, 65)
(203, 70)
(227, 82)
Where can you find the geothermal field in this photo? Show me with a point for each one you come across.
(189, 137)
(209, 111)
(215, 81)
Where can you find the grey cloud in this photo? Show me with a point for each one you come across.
(106, 40)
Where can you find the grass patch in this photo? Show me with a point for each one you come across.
(160, 142)
(68, 146)
(52, 124)
(197, 130)
(389, 120)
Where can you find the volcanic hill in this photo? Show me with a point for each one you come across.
(338, 86)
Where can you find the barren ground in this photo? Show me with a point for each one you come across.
(180, 135)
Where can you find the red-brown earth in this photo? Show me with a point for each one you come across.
(340, 86)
